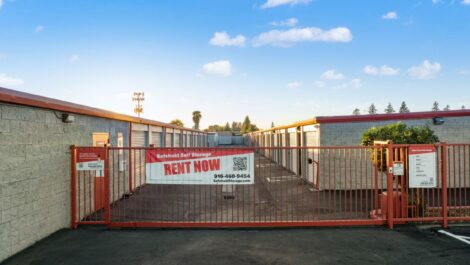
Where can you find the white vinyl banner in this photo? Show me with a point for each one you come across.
(200, 167)
(422, 164)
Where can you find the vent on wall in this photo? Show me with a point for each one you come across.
(438, 120)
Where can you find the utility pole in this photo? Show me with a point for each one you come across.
(138, 98)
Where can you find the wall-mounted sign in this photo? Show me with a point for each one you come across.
(422, 166)
(199, 167)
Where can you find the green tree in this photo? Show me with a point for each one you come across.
(399, 133)
(272, 124)
(196, 118)
(236, 126)
(227, 127)
(214, 128)
(447, 108)
(372, 109)
(389, 108)
(253, 128)
(404, 108)
(356, 111)
(177, 122)
(435, 106)
(246, 125)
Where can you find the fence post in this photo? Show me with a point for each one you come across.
(390, 194)
(130, 157)
(73, 188)
(107, 210)
(444, 184)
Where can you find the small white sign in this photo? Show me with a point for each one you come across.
(398, 168)
(422, 164)
(90, 165)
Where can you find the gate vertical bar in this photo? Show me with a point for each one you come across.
(444, 184)
(107, 210)
(130, 157)
(74, 192)
(390, 191)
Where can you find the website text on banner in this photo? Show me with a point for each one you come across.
(200, 167)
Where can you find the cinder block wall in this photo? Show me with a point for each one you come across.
(454, 130)
(35, 171)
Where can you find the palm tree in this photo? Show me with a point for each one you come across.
(196, 119)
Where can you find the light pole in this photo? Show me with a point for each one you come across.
(138, 97)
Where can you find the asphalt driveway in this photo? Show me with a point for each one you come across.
(360, 245)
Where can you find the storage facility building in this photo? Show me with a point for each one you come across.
(336, 131)
(35, 162)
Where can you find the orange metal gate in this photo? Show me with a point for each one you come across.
(335, 186)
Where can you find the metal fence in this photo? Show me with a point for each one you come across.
(293, 186)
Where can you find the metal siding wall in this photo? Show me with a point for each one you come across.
(169, 140)
(311, 139)
(139, 139)
(295, 155)
(283, 151)
(177, 140)
(157, 139)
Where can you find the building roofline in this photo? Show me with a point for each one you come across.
(392, 116)
(373, 117)
(26, 99)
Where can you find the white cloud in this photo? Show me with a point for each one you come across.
(9, 81)
(465, 2)
(319, 84)
(427, 70)
(436, 1)
(294, 84)
(220, 68)
(286, 38)
(275, 3)
(39, 29)
(1, 4)
(383, 70)
(74, 58)
(354, 83)
(390, 15)
(332, 75)
(464, 72)
(223, 39)
(291, 22)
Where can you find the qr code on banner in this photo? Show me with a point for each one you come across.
(240, 163)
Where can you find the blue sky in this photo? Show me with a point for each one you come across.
(276, 60)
